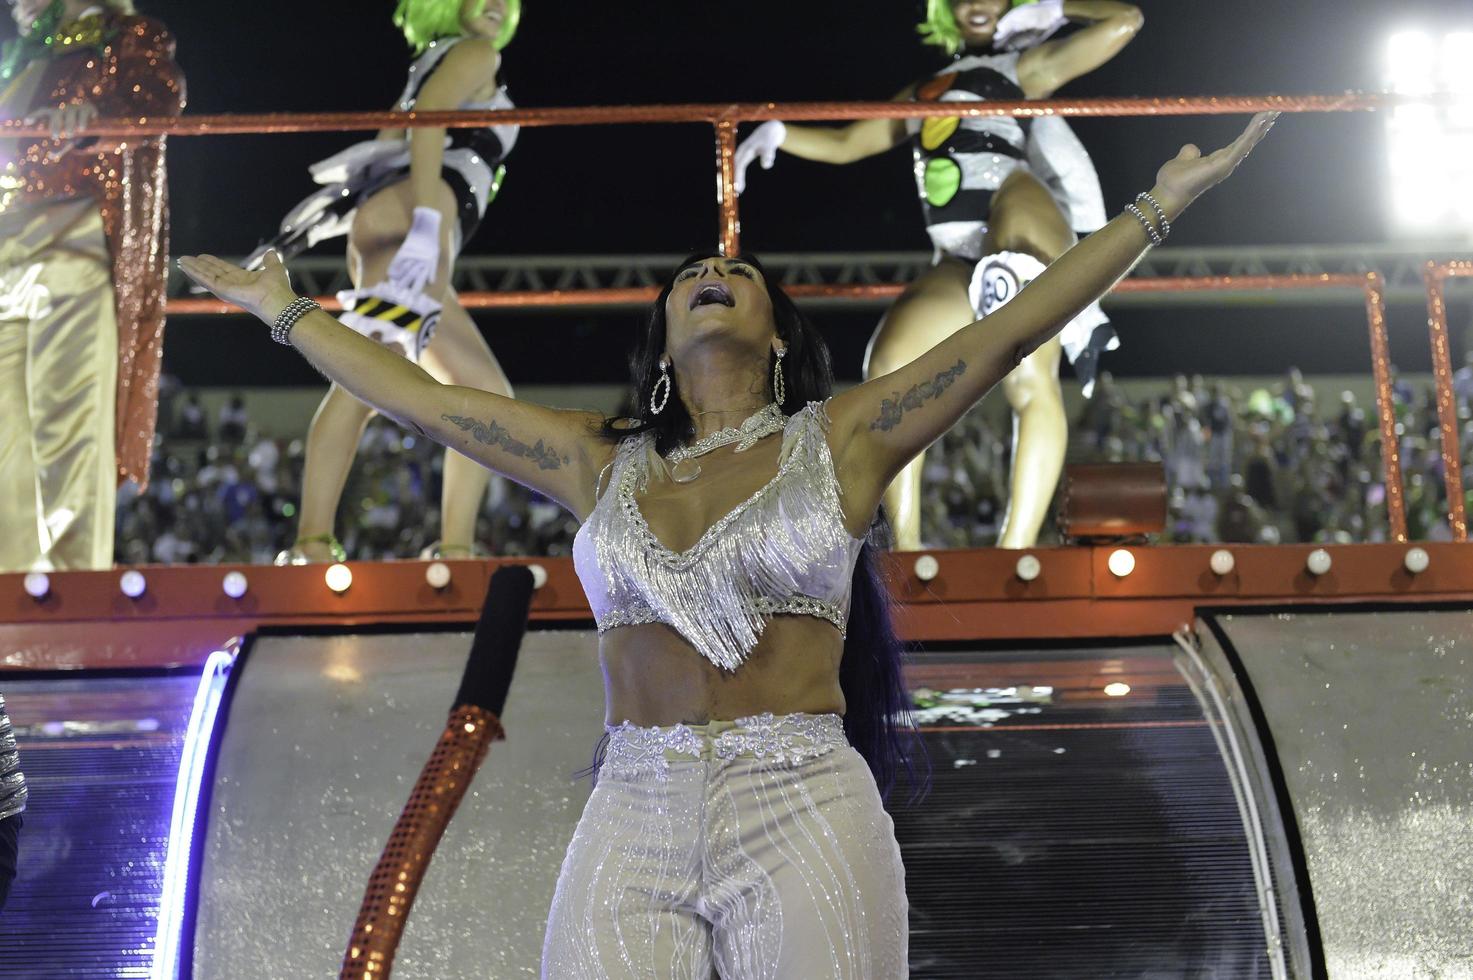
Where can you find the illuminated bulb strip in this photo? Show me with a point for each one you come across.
(197, 738)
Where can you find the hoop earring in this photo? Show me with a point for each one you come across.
(655, 393)
(779, 387)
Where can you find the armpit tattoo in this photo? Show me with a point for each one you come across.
(891, 409)
(493, 434)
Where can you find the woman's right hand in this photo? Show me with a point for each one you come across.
(262, 292)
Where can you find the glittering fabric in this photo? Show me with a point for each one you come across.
(135, 77)
(12, 780)
(754, 849)
(784, 550)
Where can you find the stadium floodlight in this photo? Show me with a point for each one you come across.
(1430, 145)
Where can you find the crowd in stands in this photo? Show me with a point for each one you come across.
(1268, 465)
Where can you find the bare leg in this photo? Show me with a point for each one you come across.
(459, 355)
(332, 442)
(933, 308)
(1026, 219)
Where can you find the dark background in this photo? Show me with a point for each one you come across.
(632, 189)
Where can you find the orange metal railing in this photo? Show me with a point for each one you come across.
(1447, 407)
(724, 118)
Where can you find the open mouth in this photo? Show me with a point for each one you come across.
(712, 292)
(979, 22)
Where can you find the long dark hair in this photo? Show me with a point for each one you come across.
(876, 718)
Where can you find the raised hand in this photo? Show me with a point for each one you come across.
(761, 145)
(263, 292)
(1182, 179)
(1030, 24)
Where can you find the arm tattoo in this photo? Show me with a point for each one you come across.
(492, 434)
(892, 408)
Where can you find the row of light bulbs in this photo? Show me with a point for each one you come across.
(337, 577)
(1122, 562)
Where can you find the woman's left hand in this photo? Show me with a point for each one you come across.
(1183, 179)
(263, 292)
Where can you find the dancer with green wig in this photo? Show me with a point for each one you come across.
(408, 202)
(1002, 198)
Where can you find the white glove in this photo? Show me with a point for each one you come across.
(761, 145)
(418, 258)
(1028, 25)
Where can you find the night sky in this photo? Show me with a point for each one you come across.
(649, 189)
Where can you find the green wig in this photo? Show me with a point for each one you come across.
(940, 27)
(423, 21)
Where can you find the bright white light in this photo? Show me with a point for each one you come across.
(338, 577)
(1410, 60)
(1318, 561)
(1457, 62)
(1416, 560)
(1429, 164)
(539, 576)
(437, 574)
(1121, 562)
(197, 737)
(1117, 689)
(37, 585)
(133, 584)
(1222, 562)
(235, 584)
(1028, 568)
(927, 567)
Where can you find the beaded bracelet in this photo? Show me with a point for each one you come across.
(1151, 232)
(281, 330)
(1162, 222)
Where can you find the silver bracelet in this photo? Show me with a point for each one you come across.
(1165, 225)
(281, 330)
(1139, 215)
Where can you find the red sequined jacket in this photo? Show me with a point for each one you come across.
(134, 76)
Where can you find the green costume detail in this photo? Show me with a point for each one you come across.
(940, 27)
(46, 39)
(425, 21)
(943, 178)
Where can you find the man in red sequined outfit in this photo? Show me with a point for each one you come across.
(83, 266)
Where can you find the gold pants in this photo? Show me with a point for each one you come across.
(58, 389)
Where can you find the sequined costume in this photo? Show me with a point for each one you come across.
(960, 162)
(83, 269)
(782, 550)
(754, 848)
(472, 166)
(12, 801)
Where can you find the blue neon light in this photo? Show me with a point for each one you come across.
(197, 738)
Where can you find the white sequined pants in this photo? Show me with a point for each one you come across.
(756, 849)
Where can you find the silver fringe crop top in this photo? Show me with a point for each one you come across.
(783, 550)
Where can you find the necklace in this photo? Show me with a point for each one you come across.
(764, 422)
